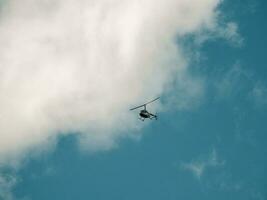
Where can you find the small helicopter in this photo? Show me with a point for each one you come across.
(144, 114)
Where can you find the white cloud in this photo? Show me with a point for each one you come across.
(199, 166)
(76, 66)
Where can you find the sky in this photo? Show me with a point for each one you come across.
(70, 71)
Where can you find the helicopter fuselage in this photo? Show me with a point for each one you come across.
(144, 114)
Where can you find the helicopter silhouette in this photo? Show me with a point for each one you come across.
(144, 114)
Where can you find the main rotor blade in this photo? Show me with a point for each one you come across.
(144, 104)
(137, 107)
(152, 101)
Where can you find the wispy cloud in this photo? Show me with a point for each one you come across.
(233, 81)
(257, 195)
(240, 82)
(259, 94)
(231, 33)
(200, 165)
(7, 182)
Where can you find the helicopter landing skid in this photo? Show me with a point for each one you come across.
(142, 119)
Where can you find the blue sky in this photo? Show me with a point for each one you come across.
(215, 150)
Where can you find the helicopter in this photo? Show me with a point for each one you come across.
(144, 114)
